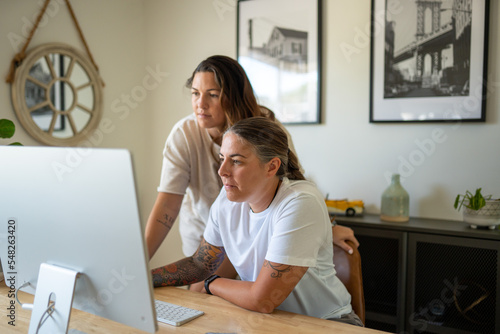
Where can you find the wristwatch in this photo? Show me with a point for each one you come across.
(210, 280)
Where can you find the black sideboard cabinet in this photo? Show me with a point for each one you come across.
(428, 275)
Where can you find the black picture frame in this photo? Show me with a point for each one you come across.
(429, 61)
(279, 46)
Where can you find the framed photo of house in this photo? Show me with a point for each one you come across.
(428, 61)
(279, 48)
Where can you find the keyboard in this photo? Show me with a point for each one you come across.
(175, 315)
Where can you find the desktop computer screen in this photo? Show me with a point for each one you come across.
(70, 215)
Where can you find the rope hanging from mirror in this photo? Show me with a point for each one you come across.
(19, 57)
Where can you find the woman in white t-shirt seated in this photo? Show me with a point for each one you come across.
(274, 227)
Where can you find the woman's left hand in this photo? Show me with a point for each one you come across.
(341, 234)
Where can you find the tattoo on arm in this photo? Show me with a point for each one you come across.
(191, 269)
(209, 256)
(182, 272)
(278, 269)
(167, 221)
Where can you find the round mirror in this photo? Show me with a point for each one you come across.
(57, 95)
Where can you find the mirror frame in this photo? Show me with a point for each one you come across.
(24, 113)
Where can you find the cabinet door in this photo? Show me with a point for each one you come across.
(452, 285)
(382, 261)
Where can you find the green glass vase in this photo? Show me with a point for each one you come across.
(395, 205)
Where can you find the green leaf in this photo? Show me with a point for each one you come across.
(457, 200)
(7, 128)
(474, 202)
(16, 144)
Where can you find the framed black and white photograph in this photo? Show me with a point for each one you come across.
(428, 60)
(279, 48)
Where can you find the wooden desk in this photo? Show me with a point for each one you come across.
(220, 317)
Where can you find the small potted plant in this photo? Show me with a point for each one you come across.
(479, 210)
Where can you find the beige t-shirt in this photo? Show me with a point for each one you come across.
(190, 165)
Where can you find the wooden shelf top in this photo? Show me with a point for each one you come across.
(422, 225)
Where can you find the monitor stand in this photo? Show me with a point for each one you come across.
(56, 285)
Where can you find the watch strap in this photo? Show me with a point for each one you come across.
(208, 281)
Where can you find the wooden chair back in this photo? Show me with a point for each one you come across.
(348, 267)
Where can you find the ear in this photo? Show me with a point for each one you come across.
(273, 166)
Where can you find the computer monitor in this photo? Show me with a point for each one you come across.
(71, 215)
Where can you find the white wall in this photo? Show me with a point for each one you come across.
(346, 155)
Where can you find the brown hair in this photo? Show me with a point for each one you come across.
(237, 97)
(269, 140)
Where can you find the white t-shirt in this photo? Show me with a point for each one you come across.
(294, 230)
(190, 165)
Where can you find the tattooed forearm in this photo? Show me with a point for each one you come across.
(182, 272)
(167, 221)
(278, 269)
(191, 269)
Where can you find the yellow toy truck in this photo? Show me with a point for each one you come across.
(345, 207)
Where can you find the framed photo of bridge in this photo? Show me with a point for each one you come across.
(428, 61)
(279, 47)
